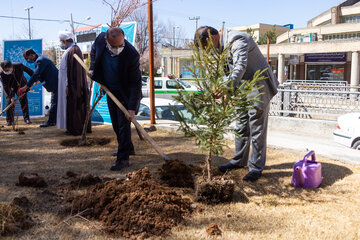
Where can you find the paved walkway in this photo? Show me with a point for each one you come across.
(323, 146)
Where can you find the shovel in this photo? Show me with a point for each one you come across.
(125, 111)
(15, 101)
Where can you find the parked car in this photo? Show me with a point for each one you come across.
(166, 87)
(348, 130)
(164, 110)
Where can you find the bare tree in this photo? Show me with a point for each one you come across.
(174, 35)
(142, 38)
(122, 9)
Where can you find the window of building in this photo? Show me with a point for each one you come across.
(350, 19)
(342, 36)
(326, 72)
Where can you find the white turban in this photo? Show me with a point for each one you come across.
(65, 35)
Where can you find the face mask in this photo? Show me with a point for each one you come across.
(62, 45)
(115, 50)
(30, 61)
(8, 72)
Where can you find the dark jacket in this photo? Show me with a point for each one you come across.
(46, 72)
(12, 82)
(129, 71)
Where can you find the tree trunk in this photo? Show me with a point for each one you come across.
(83, 135)
(208, 165)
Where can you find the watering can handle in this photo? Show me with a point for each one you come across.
(312, 154)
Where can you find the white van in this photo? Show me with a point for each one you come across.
(166, 87)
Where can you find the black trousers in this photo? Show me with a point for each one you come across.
(53, 107)
(121, 127)
(24, 107)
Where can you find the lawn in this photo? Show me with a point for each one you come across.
(270, 208)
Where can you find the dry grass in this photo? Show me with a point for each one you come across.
(275, 209)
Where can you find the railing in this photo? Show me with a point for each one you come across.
(315, 101)
(316, 82)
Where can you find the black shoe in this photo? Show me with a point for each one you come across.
(119, 165)
(8, 123)
(132, 153)
(27, 121)
(252, 176)
(228, 166)
(47, 124)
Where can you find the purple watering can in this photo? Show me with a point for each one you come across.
(307, 173)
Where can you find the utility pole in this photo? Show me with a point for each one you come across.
(151, 62)
(174, 29)
(196, 21)
(28, 9)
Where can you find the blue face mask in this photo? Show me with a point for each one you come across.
(30, 61)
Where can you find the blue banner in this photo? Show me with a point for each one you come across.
(101, 112)
(13, 52)
(326, 57)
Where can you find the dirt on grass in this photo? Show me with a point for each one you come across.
(215, 191)
(176, 173)
(213, 230)
(13, 219)
(77, 142)
(137, 206)
(31, 180)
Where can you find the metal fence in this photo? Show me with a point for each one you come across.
(315, 101)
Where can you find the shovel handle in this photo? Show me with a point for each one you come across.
(125, 111)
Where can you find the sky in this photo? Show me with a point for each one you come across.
(211, 12)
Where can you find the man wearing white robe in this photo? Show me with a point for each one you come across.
(63, 79)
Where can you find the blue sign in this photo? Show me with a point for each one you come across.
(101, 112)
(325, 57)
(13, 52)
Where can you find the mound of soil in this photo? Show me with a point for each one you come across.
(88, 143)
(213, 229)
(22, 202)
(177, 174)
(135, 206)
(31, 180)
(216, 191)
(13, 219)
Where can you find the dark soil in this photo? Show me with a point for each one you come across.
(13, 219)
(84, 181)
(213, 229)
(88, 143)
(177, 174)
(22, 202)
(137, 206)
(216, 191)
(31, 180)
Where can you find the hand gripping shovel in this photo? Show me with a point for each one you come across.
(17, 99)
(124, 110)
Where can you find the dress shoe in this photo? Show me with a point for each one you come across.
(252, 176)
(8, 123)
(228, 166)
(27, 121)
(119, 165)
(132, 153)
(47, 124)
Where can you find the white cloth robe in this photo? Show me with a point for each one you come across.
(62, 84)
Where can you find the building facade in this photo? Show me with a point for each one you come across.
(326, 50)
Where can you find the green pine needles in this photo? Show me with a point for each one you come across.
(217, 103)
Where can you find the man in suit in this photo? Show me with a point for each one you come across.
(47, 73)
(115, 63)
(12, 78)
(244, 60)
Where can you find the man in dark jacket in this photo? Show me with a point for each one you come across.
(47, 74)
(12, 78)
(115, 63)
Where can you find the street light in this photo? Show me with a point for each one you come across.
(174, 33)
(28, 9)
(72, 24)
